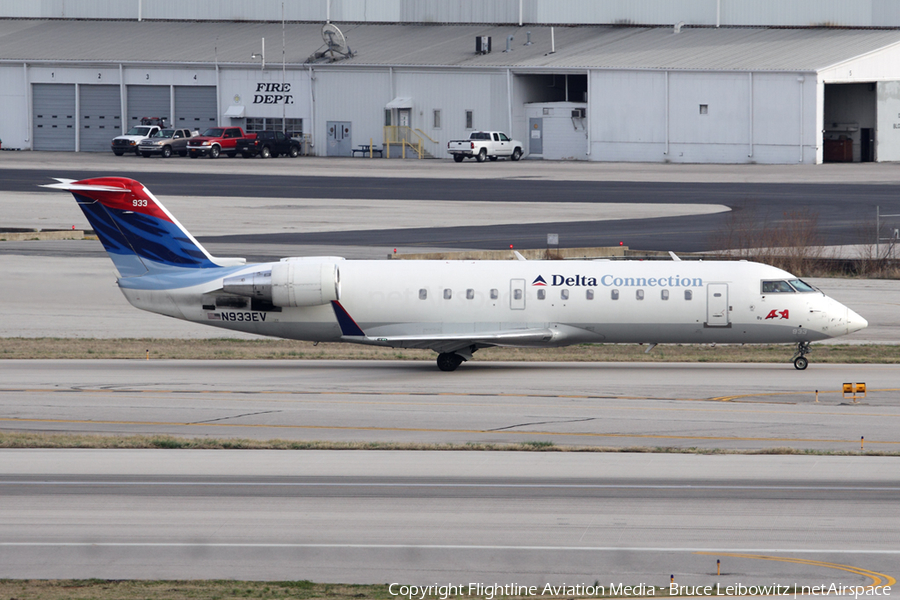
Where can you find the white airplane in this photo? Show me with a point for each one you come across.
(451, 307)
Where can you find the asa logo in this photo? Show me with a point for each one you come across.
(539, 282)
(778, 314)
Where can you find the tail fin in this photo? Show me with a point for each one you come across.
(139, 234)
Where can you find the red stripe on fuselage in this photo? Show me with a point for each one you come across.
(132, 197)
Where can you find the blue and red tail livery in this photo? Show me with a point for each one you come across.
(139, 234)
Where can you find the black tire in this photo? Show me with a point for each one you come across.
(448, 361)
(182, 153)
(458, 157)
(194, 155)
(265, 152)
(482, 155)
(145, 154)
(166, 151)
(118, 152)
(516, 155)
(214, 152)
(294, 152)
(800, 363)
(231, 154)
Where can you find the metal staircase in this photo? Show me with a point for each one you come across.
(403, 141)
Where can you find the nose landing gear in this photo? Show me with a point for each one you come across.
(799, 359)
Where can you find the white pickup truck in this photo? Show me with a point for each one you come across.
(485, 144)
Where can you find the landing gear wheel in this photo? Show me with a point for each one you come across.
(800, 360)
(448, 361)
(481, 156)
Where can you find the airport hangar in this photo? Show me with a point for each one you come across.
(697, 94)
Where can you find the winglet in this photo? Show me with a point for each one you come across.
(519, 256)
(674, 256)
(348, 325)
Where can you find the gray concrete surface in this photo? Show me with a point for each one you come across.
(622, 405)
(374, 517)
(128, 166)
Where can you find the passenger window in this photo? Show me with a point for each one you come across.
(614, 294)
(517, 294)
(564, 294)
(688, 294)
(639, 294)
(664, 294)
(541, 294)
(423, 294)
(494, 294)
(470, 293)
(589, 294)
(448, 294)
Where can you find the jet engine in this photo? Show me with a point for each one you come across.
(289, 283)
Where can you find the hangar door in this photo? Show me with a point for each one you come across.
(53, 123)
(147, 101)
(100, 118)
(195, 107)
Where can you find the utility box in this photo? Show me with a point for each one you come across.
(482, 44)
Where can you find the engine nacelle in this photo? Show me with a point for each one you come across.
(289, 283)
(305, 284)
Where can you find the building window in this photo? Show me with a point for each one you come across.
(541, 294)
(470, 294)
(495, 294)
(664, 294)
(292, 127)
(448, 294)
(704, 109)
(688, 294)
(470, 120)
(639, 294)
(423, 294)
(614, 294)
(589, 294)
(387, 117)
(436, 124)
(563, 294)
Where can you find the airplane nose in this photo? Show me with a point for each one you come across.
(855, 322)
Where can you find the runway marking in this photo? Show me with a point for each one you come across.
(433, 547)
(434, 430)
(877, 578)
(575, 486)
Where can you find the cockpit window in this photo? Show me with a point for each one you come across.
(774, 287)
(801, 286)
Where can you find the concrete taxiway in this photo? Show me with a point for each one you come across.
(758, 406)
(448, 517)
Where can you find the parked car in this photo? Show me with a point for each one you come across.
(216, 141)
(269, 144)
(482, 145)
(167, 142)
(130, 142)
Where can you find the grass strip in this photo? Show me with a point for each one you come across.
(272, 349)
(27, 439)
(102, 589)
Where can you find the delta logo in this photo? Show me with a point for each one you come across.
(557, 280)
(539, 282)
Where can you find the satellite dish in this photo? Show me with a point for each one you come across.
(334, 39)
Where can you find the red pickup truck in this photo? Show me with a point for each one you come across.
(215, 141)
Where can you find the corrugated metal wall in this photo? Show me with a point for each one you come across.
(798, 13)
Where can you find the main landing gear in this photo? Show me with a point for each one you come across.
(449, 361)
(800, 360)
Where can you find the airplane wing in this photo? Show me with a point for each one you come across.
(442, 342)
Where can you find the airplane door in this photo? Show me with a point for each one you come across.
(717, 305)
(517, 294)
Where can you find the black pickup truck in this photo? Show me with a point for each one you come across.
(268, 144)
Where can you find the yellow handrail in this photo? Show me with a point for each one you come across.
(425, 135)
(405, 136)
